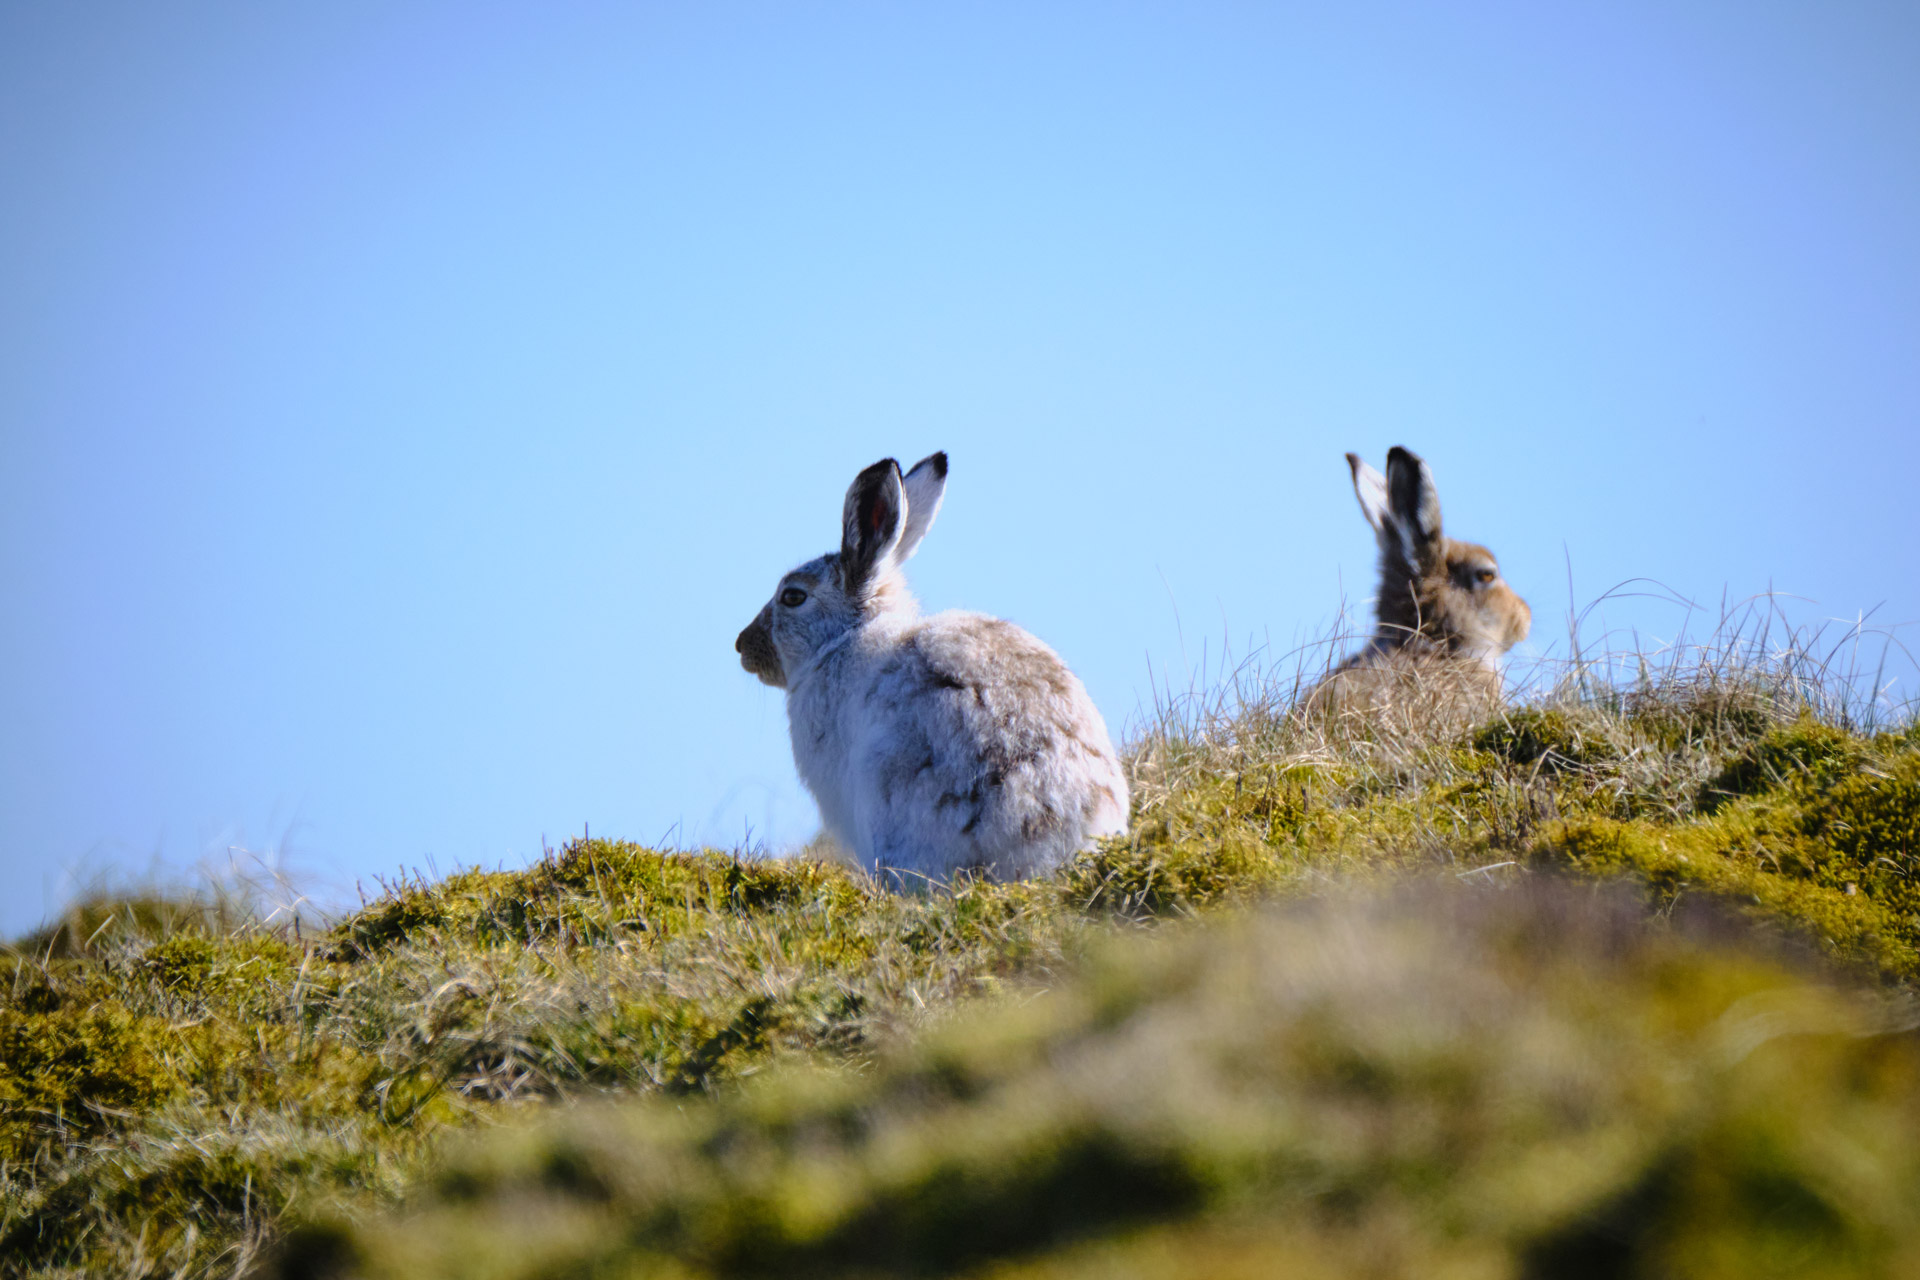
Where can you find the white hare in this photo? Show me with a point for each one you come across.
(1444, 615)
(936, 746)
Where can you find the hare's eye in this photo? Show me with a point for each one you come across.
(1484, 576)
(793, 597)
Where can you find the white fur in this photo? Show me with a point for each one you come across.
(1371, 488)
(935, 746)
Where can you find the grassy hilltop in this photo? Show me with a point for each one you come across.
(1608, 984)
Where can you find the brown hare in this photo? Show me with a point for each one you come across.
(1443, 618)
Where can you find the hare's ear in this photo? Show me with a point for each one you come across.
(870, 523)
(925, 485)
(1414, 501)
(1371, 488)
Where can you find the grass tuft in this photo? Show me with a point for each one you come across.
(1146, 1060)
(1444, 1081)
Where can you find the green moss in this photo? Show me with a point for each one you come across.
(108, 919)
(331, 1070)
(1552, 739)
(591, 892)
(1528, 1081)
(164, 1197)
(1805, 753)
(606, 966)
(1712, 860)
(243, 976)
(1712, 714)
(1146, 877)
(69, 1069)
(1870, 822)
(1828, 856)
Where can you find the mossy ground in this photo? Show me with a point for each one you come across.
(178, 1087)
(1441, 1081)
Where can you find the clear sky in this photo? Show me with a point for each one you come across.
(402, 406)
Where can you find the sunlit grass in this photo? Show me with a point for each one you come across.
(184, 1077)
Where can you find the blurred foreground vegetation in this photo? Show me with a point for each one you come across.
(1612, 983)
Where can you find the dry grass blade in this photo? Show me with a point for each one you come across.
(183, 1076)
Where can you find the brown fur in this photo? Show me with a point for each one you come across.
(1433, 607)
(1443, 615)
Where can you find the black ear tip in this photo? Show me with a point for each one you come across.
(878, 469)
(939, 461)
(1402, 455)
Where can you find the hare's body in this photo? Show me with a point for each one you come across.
(1443, 616)
(954, 743)
(935, 746)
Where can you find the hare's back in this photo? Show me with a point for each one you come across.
(1409, 689)
(998, 757)
(996, 663)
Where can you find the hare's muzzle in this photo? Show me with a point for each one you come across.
(1519, 617)
(757, 654)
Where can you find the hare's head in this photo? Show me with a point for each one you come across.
(885, 516)
(1436, 593)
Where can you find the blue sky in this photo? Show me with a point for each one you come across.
(402, 406)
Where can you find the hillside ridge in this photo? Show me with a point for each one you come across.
(179, 1089)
